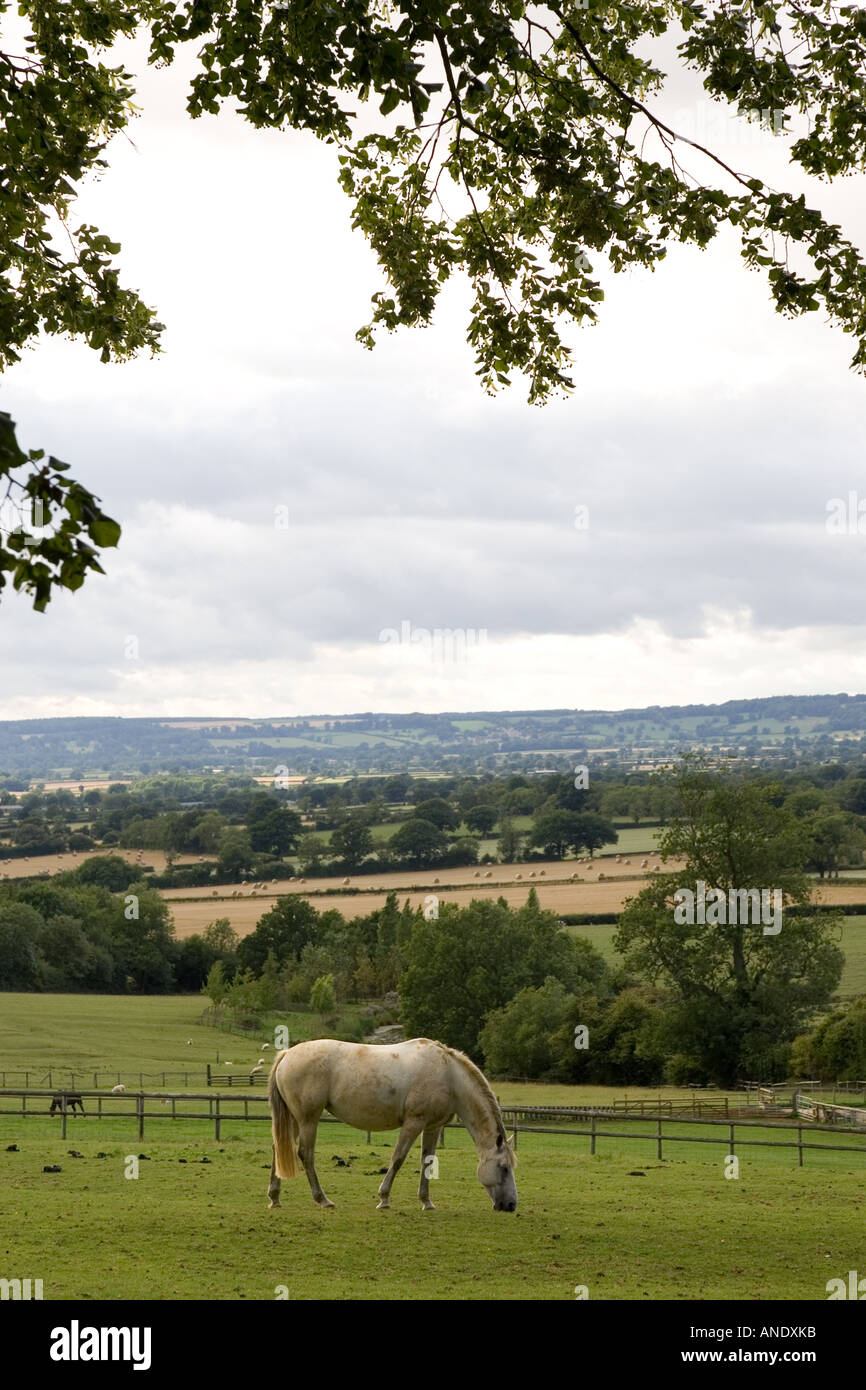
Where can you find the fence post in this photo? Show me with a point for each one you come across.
(216, 1123)
(63, 1116)
(731, 1132)
(592, 1134)
(659, 1144)
(800, 1143)
(727, 1112)
(208, 1073)
(514, 1145)
(368, 1136)
(139, 1105)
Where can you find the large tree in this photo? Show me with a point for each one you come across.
(516, 144)
(741, 990)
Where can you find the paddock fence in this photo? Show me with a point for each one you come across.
(577, 1122)
(213, 1075)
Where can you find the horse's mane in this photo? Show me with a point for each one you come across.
(483, 1084)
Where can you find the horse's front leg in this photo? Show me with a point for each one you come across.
(429, 1140)
(406, 1138)
(274, 1184)
(307, 1154)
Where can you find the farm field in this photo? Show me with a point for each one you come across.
(614, 1223)
(57, 863)
(152, 1033)
(187, 1229)
(192, 915)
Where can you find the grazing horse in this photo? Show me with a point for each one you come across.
(416, 1087)
(73, 1099)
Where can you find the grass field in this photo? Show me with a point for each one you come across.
(620, 1223)
(194, 1230)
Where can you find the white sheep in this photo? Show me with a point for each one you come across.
(118, 1090)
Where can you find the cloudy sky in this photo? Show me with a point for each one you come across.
(288, 499)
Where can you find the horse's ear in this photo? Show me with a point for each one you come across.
(512, 1137)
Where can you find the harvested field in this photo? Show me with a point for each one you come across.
(47, 864)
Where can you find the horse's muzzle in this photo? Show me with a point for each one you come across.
(504, 1206)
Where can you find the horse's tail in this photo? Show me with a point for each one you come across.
(286, 1161)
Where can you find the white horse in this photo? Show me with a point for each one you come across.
(416, 1087)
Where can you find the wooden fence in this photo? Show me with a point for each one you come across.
(562, 1120)
(138, 1080)
(821, 1112)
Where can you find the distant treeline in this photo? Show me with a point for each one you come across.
(371, 825)
(784, 729)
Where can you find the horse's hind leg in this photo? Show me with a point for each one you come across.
(274, 1184)
(406, 1138)
(307, 1155)
(429, 1140)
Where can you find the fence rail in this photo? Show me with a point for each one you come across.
(117, 1106)
(74, 1080)
(824, 1113)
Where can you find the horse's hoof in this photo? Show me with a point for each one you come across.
(383, 1205)
(274, 1204)
(324, 1203)
(427, 1206)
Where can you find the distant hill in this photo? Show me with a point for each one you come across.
(781, 728)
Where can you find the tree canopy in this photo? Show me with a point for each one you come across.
(740, 992)
(514, 144)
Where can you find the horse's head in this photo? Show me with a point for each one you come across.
(496, 1174)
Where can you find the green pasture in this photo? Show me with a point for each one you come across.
(634, 839)
(622, 1224)
(126, 1033)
